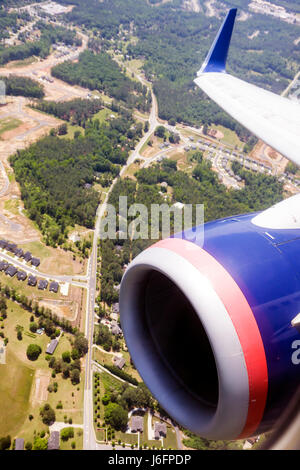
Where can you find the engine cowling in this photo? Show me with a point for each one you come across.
(210, 329)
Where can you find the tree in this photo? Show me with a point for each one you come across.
(33, 352)
(75, 376)
(5, 443)
(48, 414)
(160, 132)
(63, 129)
(33, 327)
(67, 433)
(40, 444)
(116, 416)
(66, 356)
(81, 344)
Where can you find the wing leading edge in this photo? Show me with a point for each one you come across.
(272, 118)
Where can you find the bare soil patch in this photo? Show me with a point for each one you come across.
(40, 389)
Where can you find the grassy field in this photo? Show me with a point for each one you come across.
(54, 261)
(9, 124)
(131, 170)
(78, 439)
(18, 396)
(12, 206)
(15, 385)
(230, 137)
(71, 131)
(104, 114)
(22, 63)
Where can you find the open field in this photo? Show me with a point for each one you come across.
(22, 63)
(230, 137)
(25, 382)
(7, 125)
(70, 307)
(55, 260)
(131, 170)
(15, 385)
(78, 439)
(149, 151)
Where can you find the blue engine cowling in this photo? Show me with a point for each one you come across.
(210, 328)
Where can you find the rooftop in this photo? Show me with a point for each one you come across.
(53, 442)
(19, 444)
(52, 346)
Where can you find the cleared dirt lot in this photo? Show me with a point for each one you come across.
(40, 389)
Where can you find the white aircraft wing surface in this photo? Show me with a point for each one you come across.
(272, 118)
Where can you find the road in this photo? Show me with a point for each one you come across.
(89, 439)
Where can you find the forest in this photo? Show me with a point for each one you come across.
(76, 111)
(22, 86)
(203, 187)
(56, 176)
(100, 72)
(173, 44)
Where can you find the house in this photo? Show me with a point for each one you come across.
(11, 271)
(115, 329)
(119, 362)
(3, 265)
(137, 424)
(3, 244)
(52, 346)
(160, 430)
(114, 316)
(27, 256)
(21, 275)
(32, 281)
(53, 442)
(35, 262)
(54, 286)
(12, 247)
(116, 308)
(19, 444)
(43, 284)
(19, 253)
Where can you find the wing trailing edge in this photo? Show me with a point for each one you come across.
(272, 118)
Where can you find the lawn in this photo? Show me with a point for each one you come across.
(15, 385)
(8, 125)
(78, 439)
(71, 131)
(54, 261)
(104, 114)
(18, 316)
(18, 377)
(102, 357)
(131, 170)
(12, 206)
(230, 137)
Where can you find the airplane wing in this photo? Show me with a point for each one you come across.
(272, 118)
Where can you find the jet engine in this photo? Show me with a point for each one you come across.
(214, 330)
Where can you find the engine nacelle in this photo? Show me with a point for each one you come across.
(213, 330)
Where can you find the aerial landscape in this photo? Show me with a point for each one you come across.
(98, 105)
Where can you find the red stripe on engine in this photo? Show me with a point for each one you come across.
(243, 320)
